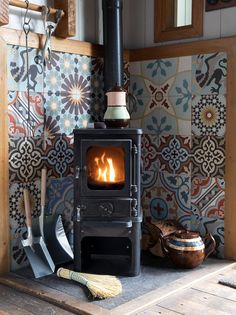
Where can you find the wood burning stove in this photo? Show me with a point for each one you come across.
(107, 213)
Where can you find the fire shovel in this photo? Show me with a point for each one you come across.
(52, 229)
(35, 248)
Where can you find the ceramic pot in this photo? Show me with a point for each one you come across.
(116, 115)
(187, 249)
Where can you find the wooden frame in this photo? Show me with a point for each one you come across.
(164, 29)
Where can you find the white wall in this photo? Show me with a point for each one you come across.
(138, 17)
(217, 24)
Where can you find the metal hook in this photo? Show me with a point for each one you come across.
(26, 25)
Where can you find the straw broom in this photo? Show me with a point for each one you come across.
(101, 286)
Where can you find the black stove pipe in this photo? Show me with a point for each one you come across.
(113, 43)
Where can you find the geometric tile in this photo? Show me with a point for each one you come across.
(209, 73)
(209, 115)
(174, 154)
(25, 158)
(17, 253)
(208, 156)
(17, 74)
(16, 202)
(177, 188)
(208, 196)
(149, 152)
(60, 199)
(22, 123)
(59, 157)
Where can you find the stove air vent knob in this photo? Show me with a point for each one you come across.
(106, 209)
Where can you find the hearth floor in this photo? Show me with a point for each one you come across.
(158, 279)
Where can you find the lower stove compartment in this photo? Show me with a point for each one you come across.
(107, 247)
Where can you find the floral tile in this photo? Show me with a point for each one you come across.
(149, 178)
(209, 115)
(97, 109)
(82, 120)
(68, 64)
(84, 66)
(208, 196)
(76, 94)
(209, 73)
(52, 81)
(59, 157)
(16, 201)
(25, 158)
(174, 154)
(138, 106)
(60, 199)
(178, 188)
(215, 226)
(51, 128)
(97, 66)
(54, 62)
(17, 73)
(182, 86)
(20, 122)
(149, 151)
(97, 85)
(208, 156)
(138, 87)
(159, 70)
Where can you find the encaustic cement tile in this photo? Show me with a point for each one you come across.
(17, 70)
(149, 151)
(209, 73)
(60, 199)
(22, 122)
(59, 157)
(208, 156)
(174, 154)
(208, 197)
(25, 158)
(209, 115)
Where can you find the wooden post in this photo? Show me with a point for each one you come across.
(67, 26)
(4, 178)
(4, 12)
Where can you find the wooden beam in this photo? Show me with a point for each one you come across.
(67, 26)
(4, 177)
(4, 12)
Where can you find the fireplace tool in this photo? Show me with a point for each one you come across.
(35, 248)
(52, 229)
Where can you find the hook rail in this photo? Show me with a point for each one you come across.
(31, 6)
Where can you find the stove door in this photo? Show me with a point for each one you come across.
(106, 167)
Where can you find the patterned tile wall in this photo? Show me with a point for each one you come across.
(66, 94)
(181, 107)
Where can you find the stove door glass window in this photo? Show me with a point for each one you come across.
(105, 167)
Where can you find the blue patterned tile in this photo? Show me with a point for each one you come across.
(209, 115)
(182, 86)
(149, 153)
(174, 154)
(97, 109)
(138, 87)
(209, 73)
(59, 157)
(17, 74)
(60, 196)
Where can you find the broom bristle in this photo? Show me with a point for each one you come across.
(101, 286)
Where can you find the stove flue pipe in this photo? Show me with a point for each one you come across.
(113, 43)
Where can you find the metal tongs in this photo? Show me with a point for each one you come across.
(50, 28)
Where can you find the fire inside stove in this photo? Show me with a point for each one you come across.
(105, 167)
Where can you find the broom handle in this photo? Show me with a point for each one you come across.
(71, 275)
(43, 200)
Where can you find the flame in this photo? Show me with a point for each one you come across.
(105, 169)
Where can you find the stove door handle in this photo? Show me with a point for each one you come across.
(77, 172)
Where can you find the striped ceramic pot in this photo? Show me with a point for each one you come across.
(187, 249)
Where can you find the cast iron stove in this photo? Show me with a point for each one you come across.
(107, 213)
